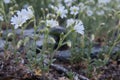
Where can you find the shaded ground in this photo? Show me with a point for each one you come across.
(12, 70)
(14, 67)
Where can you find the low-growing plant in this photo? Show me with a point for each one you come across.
(87, 24)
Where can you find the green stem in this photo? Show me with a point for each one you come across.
(14, 41)
(5, 19)
(115, 42)
(82, 42)
(60, 42)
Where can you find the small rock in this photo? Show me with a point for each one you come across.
(26, 33)
(95, 51)
(63, 55)
(115, 50)
(56, 32)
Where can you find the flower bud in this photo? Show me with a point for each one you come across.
(19, 44)
(10, 35)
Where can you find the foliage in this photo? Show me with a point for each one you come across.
(87, 23)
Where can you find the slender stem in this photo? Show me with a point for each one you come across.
(60, 42)
(5, 19)
(82, 42)
(115, 42)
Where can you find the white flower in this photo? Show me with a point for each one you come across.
(6, 1)
(89, 12)
(29, 13)
(82, 6)
(74, 10)
(68, 2)
(103, 1)
(61, 11)
(70, 22)
(21, 17)
(17, 21)
(91, 1)
(79, 27)
(1, 18)
(26, 13)
(100, 13)
(50, 15)
(52, 23)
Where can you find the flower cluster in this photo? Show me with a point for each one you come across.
(21, 17)
(7, 1)
(74, 10)
(78, 25)
(68, 2)
(103, 1)
(61, 11)
(100, 7)
(52, 23)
